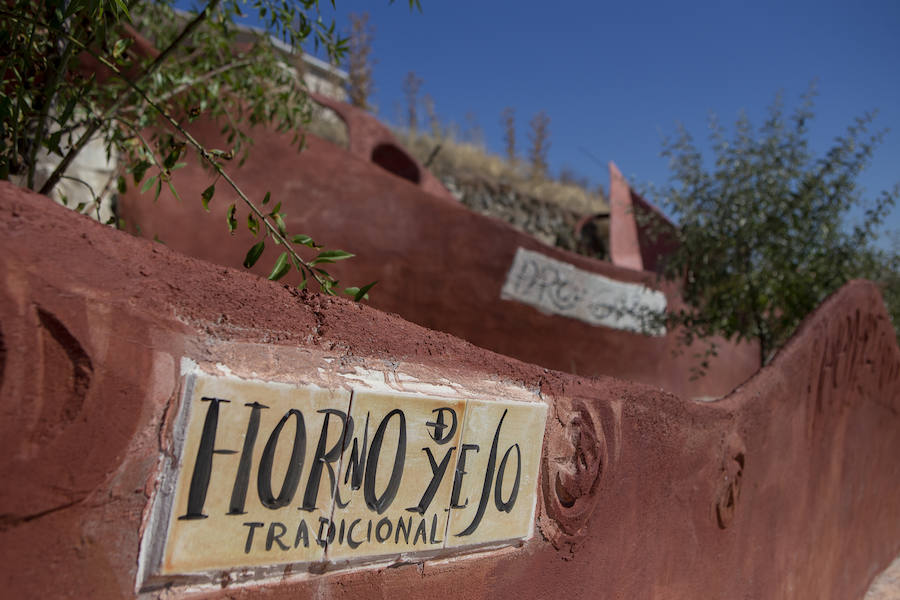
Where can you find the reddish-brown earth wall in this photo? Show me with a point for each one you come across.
(438, 264)
(787, 488)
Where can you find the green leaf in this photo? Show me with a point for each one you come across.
(253, 254)
(120, 4)
(172, 158)
(53, 142)
(148, 184)
(303, 239)
(119, 47)
(302, 285)
(80, 207)
(174, 192)
(362, 293)
(207, 195)
(282, 266)
(266, 199)
(275, 210)
(139, 170)
(232, 221)
(68, 110)
(252, 224)
(279, 222)
(330, 256)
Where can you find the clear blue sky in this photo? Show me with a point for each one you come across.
(615, 77)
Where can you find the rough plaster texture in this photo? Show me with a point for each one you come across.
(787, 488)
(438, 264)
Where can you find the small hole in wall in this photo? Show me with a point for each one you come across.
(391, 158)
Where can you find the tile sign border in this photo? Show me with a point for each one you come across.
(267, 476)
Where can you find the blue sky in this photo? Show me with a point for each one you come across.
(616, 77)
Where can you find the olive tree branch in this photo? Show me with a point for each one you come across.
(324, 280)
(205, 77)
(94, 196)
(211, 160)
(153, 66)
(46, 101)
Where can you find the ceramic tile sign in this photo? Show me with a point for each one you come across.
(556, 287)
(253, 477)
(272, 474)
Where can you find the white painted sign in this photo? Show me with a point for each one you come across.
(559, 288)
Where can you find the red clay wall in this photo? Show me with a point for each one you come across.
(641, 234)
(437, 263)
(787, 488)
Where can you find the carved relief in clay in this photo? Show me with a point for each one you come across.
(729, 487)
(575, 461)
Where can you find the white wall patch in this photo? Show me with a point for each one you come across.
(559, 288)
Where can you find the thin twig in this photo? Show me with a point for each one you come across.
(209, 158)
(47, 100)
(94, 197)
(205, 77)
(92, 129)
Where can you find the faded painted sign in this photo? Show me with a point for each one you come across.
(559, 288)
(271, 473)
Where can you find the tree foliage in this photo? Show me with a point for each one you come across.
(76, 70)
(768, 229)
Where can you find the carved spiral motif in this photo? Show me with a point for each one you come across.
(574, 462)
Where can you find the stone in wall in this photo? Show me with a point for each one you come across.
(548, 222)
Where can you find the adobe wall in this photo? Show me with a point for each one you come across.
(789, 487)
(438, 264)
(640, 233)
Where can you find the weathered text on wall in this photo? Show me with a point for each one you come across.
(556, 287)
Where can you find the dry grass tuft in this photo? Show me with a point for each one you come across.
(464, 161)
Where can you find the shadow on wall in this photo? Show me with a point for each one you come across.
(394, 160)
(373, 142)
